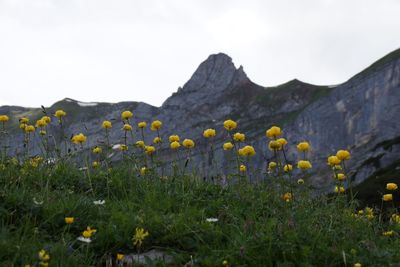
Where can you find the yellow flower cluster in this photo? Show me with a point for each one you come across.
(78, 139)
(247, 151)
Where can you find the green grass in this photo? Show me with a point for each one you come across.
(255, 226)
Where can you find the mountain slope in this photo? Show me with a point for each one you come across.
(360, 114)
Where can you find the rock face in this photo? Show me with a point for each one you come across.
(360, 115)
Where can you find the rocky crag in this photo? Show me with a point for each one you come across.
(361, 115)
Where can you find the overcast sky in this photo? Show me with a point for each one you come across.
(130, 50)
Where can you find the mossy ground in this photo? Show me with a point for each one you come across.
(255, 226)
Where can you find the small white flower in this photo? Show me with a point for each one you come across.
(212, 220)
(83, 168)
(84, 239)
(116, 147)
(37, 202)
(99, 202)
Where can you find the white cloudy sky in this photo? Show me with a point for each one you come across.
(119, 50)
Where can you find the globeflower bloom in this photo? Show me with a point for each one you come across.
(69, 220)
(341, 176)
(120, 256)
(24, 120)
(175, 145)
(140, 143)
(106, 125)
(247, 151)
(282, 141)
(60, 114)
(242, 168)
(273, 132)
(239, 137)
(149, 150)
(47, 119)
(43, 255)
(343, 155)
(126, 115)
(333, 161)
(209, 133)
(127, 127)
(4, 118)
(174, 138)
(272, 165)
(304, 165)
(274, 145)
(157, 140)
(391, 186)
(123, 147)
(227, 146)
(79, 139)
(339, 189)
(287, 197)
(288, 168)
(142, 124)
(303, 147)
(139, 236)
(230, 125)
(387, 197)
(188, 143)
(156, 125)
(97, 150)
(29, 128)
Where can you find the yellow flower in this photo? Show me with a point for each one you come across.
(143, 171)
(157, 140)
(78, 139)
(140, 143)
(273, 132)
(88, 232)
(339, 189)
(247, 151)
(209, 133)
(149, 150)
(225, 263)
(41, 123)
(341, 176)
(142, 124)
(69, 220)
(387, 197)
(343, 154)
(388, 233)
(357, 264)
(333, 161)
(139, 236)
(106, 125)
(175, 145)
(243, 168)
(126, 115)
(22, 126)
(282, 141)
(127, 127)
(188, 143)
(29, 128)
(391, 186)
(303, 147)
(35, 161)
(95, 164)
(395, 218)
(174, 138)
(123, 147)
(288, 167)
(42, 132)
(304, 165)
(43, 255)
(97, 150)
(274, 145)
(272, 165)
(47, 119)
(120, 256)
(239, 137)
(60, 113)
(300, 181)
(227, 146)
(24, 120)
(230, 125)
(4, 118)
(287, 197)
(155, 125)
